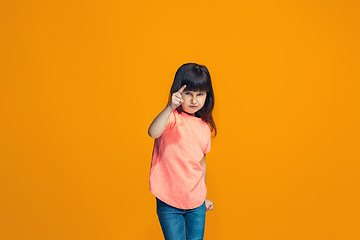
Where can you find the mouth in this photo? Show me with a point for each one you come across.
(193, 106)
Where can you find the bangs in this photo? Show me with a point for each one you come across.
(196, 81)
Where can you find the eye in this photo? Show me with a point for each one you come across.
(187, 93)
(200, 94)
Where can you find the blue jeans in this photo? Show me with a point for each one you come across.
(181, 224)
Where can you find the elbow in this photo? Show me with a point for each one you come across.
(152, 135)
(203, 160)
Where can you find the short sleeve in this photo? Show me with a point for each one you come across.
(207, 149)
(172, 120)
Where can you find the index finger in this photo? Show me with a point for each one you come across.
(181, 89)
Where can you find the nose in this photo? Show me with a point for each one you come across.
(193, 100)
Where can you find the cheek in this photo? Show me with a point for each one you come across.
(185, 98)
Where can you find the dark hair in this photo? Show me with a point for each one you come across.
(196, 78)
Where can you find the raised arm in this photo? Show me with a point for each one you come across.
(160, 122)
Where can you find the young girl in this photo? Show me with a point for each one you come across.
(182, 133)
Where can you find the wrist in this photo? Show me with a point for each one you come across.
(171, 107)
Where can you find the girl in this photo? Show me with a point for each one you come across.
(182, 133)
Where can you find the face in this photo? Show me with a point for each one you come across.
(193, 101)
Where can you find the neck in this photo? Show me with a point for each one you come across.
(192, 114)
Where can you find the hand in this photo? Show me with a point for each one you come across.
(209, 204)
(176, 98)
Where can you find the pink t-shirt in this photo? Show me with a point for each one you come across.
(176, 173)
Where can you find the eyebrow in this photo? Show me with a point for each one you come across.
(195, 91)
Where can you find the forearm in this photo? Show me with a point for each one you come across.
(204, 169)
(158, 125)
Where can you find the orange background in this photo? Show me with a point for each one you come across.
(81, 82)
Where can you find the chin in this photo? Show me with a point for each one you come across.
(190, 111)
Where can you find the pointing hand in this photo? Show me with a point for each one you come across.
(176, 98)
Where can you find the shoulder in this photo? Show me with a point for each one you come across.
(174, 115)
(207, 127)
